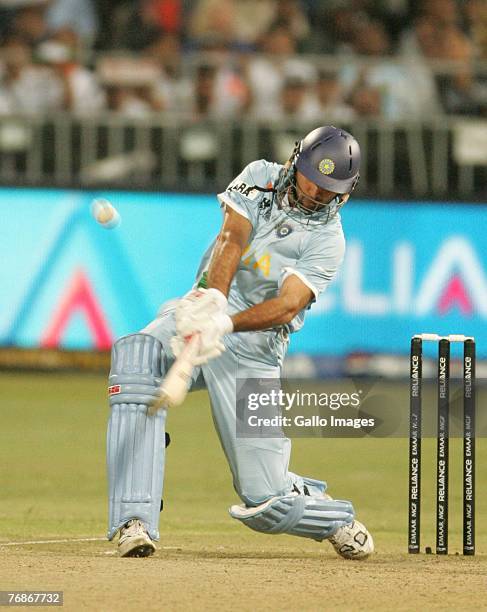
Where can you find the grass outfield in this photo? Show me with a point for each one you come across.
(52, 453)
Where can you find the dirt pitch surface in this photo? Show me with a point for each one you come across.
(53, 488)
(202, 573)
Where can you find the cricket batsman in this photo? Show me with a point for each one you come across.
(279, 246)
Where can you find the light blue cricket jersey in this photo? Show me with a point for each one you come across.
(278, 247)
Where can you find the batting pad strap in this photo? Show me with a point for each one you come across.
(135, 440)
(309, 486)
(296, 514)
(136, 370)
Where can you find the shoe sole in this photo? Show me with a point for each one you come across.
(141, 549)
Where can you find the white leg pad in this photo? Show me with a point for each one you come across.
(135, 440)
(297, 514)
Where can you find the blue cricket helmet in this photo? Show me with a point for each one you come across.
(330, 158)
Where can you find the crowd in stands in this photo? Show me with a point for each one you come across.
(273, 60)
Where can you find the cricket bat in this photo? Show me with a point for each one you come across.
(174, 387)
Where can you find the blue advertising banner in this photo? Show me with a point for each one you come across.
(67, 282)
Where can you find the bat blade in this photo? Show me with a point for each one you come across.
(174, 387)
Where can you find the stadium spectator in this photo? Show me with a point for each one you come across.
(294, 102)
(333, 23)
(459, 92)
(29, 21)
(444, 12)
(436, 36)
(204, 97)
(141, 23)
(25, 87)
(327, 102)
(241, 24)
(167, 14)
(302, 100)
(292, 15)
(273, 81)
(171, 87)
(424, 37)
(398, 98)
(334, 26)
(130, 83)
(420, 40)
(267, 73)
(82, 94)
(76, 15)
(365, 101)
(475, 13)
(212, 20)
(231, 90)
(392, 14)
(128, 101)
(217, 92)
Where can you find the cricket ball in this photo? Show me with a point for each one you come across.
(105, 213)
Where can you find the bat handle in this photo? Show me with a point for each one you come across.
(174, 387)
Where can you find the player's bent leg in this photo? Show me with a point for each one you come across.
(135, 443)
(310, 512)
(275, 500)
(309, 516)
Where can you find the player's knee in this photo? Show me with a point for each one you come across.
(136, 369)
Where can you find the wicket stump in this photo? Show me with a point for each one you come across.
(442, 449)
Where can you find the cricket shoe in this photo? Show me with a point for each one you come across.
(134, 540)
(353, 541)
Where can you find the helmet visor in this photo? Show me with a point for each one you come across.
(307, 209)
(309, 203)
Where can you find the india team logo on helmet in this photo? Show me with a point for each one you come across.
(326, 166)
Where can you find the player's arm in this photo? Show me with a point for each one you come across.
(232, 239)
(203, 307)
(293, 297)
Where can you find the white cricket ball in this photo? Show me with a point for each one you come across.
(105, 213)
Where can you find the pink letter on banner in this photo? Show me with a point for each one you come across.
(455, 293)
(79, 296)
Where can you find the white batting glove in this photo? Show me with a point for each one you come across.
(211, 330)
(199, 304)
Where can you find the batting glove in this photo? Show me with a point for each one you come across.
(211, 330)
(199, 304)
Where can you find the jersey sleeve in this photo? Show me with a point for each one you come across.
(319, 262)
(242, 195)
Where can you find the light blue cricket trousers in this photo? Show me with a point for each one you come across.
(259, 466)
